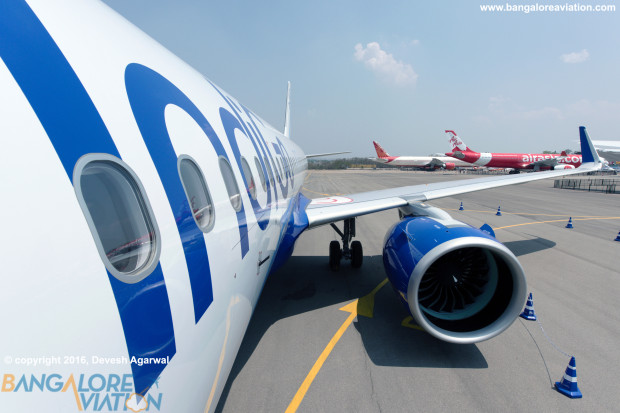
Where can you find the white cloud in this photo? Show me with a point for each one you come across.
(483, 120)
(506, 108)
(415, 42)
(548, 112)
(598, 109)
(496, 103)
(384, 65)
(576, 57)
(584, 110)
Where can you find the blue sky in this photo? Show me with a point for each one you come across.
(400, 72)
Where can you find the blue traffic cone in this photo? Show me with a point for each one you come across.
(528, 313)
(618, 237)
(461, 207)
(499, 212)
(568, 384)
(570, 222)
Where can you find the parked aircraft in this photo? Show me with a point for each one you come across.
(513, 161)
(422, 162)
(609, 146)
(144, 207)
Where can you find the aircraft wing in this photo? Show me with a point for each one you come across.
(609, 146)
(332, 209)
(318, 155)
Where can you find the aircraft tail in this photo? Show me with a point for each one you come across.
(380, 152)
(456, 143)
(287, 114)
(588, 153)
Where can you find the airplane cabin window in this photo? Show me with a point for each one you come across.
(249, 178)
(119, 216)
(269, 172)
(279, 170)
(275, 169)
(197, 193)
(261, 175)
(231, 184)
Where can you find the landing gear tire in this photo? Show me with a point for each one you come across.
(357, 254)
(335, 255)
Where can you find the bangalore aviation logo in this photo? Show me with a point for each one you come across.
(91, 392)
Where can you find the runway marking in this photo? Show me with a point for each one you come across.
(409, 323)
(525, 213)
(366, 304)
(320, 193)
(310, 190)
(233, 301)
(556, 220)
(363, 306)
(331, 200)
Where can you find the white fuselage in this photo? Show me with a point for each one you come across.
(420, 161)
(59, 301)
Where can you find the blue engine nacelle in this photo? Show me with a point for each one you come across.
(460, 284)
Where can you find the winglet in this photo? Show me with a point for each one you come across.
(287, 114)
(588, 153)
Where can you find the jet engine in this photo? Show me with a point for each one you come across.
(563, 166)
(450, 166)
(459, 283)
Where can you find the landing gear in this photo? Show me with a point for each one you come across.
(357, 254)
(353, 253)
(335, 255)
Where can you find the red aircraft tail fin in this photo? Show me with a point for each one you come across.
(380, 152)
(457, 145)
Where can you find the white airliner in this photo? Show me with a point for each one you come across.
(143, 208)
(610, 146)
(421, 162)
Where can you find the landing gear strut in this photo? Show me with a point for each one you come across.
(353, 252)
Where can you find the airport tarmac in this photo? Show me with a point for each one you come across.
(375, 364)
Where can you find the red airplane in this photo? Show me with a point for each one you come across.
(513, 161)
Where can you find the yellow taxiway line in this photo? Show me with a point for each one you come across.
(556, 220)
(363, 306)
